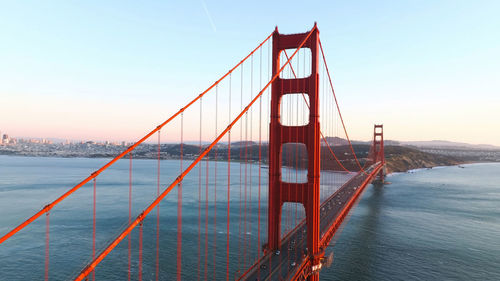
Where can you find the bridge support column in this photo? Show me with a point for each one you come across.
(279, 191)
(378, 146)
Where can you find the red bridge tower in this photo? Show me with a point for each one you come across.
(378, 147)
(308, 194)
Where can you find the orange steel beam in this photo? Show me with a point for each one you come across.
(90, 267)
(47, 207)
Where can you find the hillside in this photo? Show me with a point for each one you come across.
(398, 158)
(449, 145)
(401, 159)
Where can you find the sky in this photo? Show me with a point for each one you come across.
(113, 70)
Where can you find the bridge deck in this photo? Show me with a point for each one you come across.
(283, 264)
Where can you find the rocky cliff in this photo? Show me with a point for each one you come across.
(402, 159)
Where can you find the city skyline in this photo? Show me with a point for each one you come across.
(6, 139)
(92, 71)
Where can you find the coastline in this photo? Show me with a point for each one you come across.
(402, 168)
(398, 158)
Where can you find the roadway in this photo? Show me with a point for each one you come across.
(284, 263)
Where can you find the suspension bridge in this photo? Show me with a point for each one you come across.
(251, 180)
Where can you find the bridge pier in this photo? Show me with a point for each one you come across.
(378, 150)
(308, 194)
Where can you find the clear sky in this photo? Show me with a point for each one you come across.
(115, 69)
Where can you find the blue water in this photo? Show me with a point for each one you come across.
(439, 224)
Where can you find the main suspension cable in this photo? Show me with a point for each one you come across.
(146, 211)
(46, 208)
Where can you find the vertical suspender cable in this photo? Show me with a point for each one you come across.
(158, 212)
(270, 71)
(260, 154)
(245, 236)
(140, 251)
(305, 117)
(281, 160)
(241, 173)
(199, 197)
(325, 121)
(240, 256)
(47, 239)
(228, 183)
(251, 166)
(206, 217)
(129, 214)
(290, 147)
(268, 115)
(296, 112)
(245, 195)
(93, 226)
(249, 204)
(215, 181)
(179, 207)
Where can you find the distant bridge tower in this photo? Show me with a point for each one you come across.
(308, 194)
(378, 147)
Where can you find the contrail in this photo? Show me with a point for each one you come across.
(208, 15)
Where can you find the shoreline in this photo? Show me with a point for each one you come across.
(415, 167)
